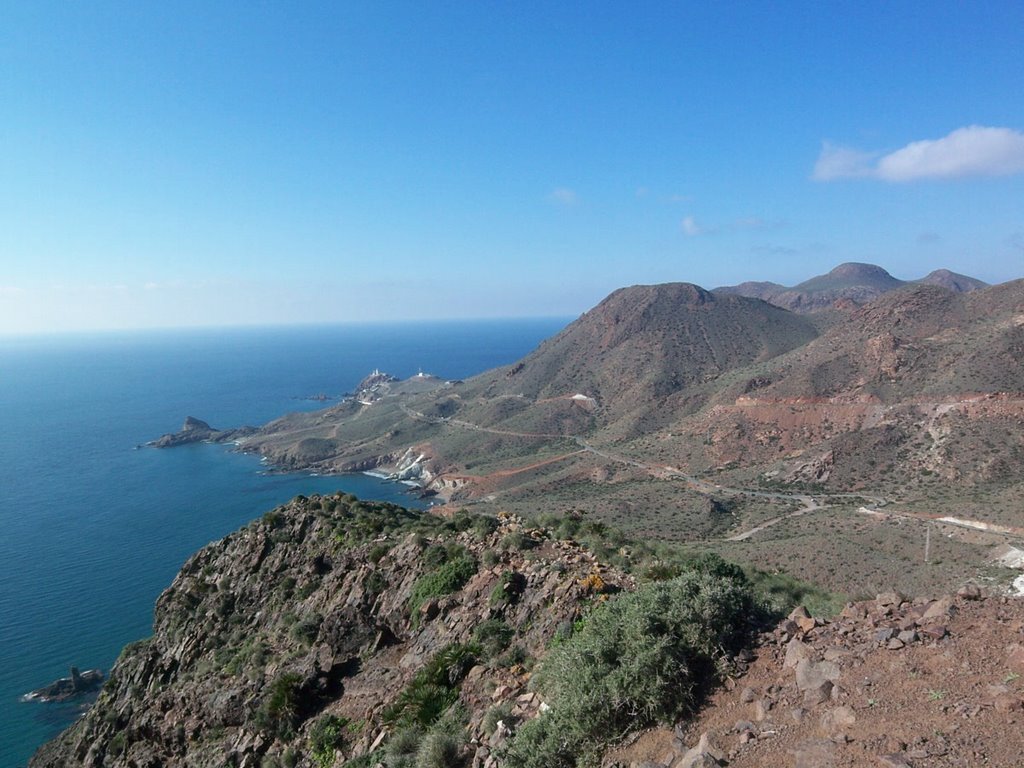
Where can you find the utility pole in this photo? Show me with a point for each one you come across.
(927, 541)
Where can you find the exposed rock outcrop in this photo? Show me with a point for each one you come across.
(319, 611)
(66, 688)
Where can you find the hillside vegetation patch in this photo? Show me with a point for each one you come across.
(642, 658)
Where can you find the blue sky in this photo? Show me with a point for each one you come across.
(174, 164)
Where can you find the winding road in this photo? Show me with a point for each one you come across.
(807, 503)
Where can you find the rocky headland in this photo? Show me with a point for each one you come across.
(195, 430)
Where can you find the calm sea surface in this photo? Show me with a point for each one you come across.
(92, 530)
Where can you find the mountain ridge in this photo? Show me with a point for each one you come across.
(681, 413)
(856, 282)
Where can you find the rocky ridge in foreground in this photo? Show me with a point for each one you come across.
(889, 683)
(292, 641)
(338, 632)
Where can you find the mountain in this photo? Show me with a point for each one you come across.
(678, 413)
(882, 450)
(952, 281)
(921, 387)
(617, 364)
(647, 343)
(850, 282)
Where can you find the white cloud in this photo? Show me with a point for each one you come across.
(563, 196)
(837, 162)
(690, 227)
(976, 150)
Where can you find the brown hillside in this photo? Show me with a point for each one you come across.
(644, 344)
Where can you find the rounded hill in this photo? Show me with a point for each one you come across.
(647, 342)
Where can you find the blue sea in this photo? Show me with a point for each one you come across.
(93, 529)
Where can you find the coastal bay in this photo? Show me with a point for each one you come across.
(94, 530)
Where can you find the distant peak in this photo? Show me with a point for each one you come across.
(686, 293)
(858, 269)
(952, 281)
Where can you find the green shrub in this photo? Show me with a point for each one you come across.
(278, 714)
(783, 592)
(374, 584)
(437, 555)
(439, 749)
(288, 759)
(484, 526)
(490, 558)
(499, 712)
(377, 551)
(118, 744)
(516, 541)
(508, 590)
(513, 656)
(326, 736)
(639, 659)
(306, 630)
(443, 580)
(433, 690)
(493, 637)
(401, 749)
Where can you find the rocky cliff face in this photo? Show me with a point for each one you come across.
(318, 617)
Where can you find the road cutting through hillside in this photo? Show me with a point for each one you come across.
(808, 502)
(659, 471)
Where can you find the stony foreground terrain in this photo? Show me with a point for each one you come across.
(890, 683)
